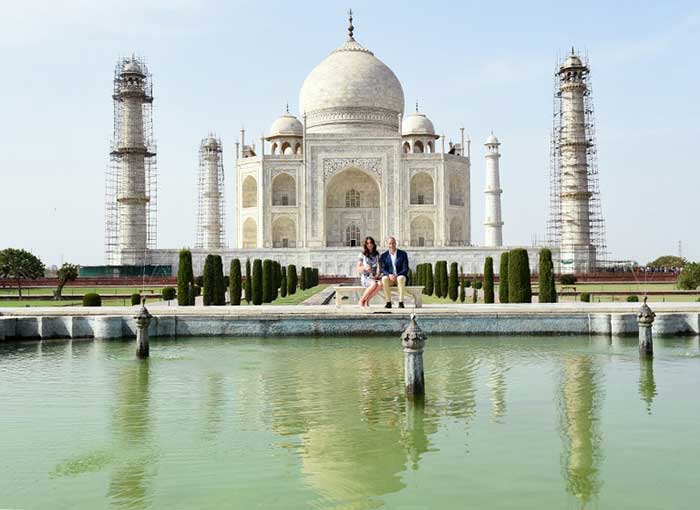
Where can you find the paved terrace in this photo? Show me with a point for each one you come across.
(457, 319)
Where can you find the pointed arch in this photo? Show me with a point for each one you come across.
(250, 233)
(422, 231)
(422, 189)
(284, 190)
(250, 192)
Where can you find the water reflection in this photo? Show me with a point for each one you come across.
(497, 383)
(129, 487)
(580, 404)
(647, 386)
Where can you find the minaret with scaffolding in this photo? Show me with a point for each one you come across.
(210, 192)
(576, 222)
(131, 180)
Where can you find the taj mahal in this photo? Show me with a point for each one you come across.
(354, 163)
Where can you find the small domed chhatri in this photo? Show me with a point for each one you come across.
(417, 124)
(286, 125)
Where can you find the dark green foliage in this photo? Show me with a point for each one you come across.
(278, 273)
(488, 280)
(567, 279)
(283, 282)
(92, 299)
(462, 290)
(418, 275)
(503, 279)
(291, 279)
(67, 273)
(185, 278)
(168, 293)
(453, 282)
(441, 278)
(268, 278)
(257, 282)
(668, 261)
(248, 282)
(20, 265)
(585, 297)
(410, 277)
(519, 287)
(689, 278)
(633, 299)
(275, 278)
(547, 286)
(429, 279)
(302, 278)
(477, 284)
(227, 280)
(199, 280)
(235, 280)
(467, 282)
(316, 276)
(209, 289)
(220, 292)
(475, 295)
(196, 291)
(135, 299)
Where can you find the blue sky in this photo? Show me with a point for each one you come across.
(220, 65)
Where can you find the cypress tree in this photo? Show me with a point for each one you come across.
(267, 281)
(257, 284)
(488, 280)
(248, 282)
(419, 275)
(519, 288)
(409, 278)
(220, 292)
(475, 295)
(317, 279)
(503, 279)
(291, 279)
(443, 279)
(235, 281)
(275, 279)
(429, 280)
(283, 282)
(209, 290)
(302, 278)
(453, 283)
(462, 290)
(547, 286)
(185, 278)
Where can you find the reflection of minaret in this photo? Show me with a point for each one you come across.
(497, 383)
(493, 223)
(647, 386)
(580, 414)
(129, 486)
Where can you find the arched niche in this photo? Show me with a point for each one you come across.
(422, 231)
(457, 190)
(284, 233)
(250, 233)
(250, 192)
(284, 190)
(456, 231)
(352, 198)
(417, 147)
(422, 189)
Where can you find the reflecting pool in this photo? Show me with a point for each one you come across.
(526, 423)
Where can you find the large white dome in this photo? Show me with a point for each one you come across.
(351, 90)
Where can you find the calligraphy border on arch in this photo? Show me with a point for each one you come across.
(333, 165)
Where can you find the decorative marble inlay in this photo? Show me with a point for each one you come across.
(333, 165)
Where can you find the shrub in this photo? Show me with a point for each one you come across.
(268, 277)
(92, 299)
(302, 278)
(475, 294)
(667, 261)
(453, 282)
(441, 278)
(275, 279)
(633, 299)
(503, 278)
(429, 279)
(689, 277)
(220, 289)
(199, 280)
(585, 297)
(467, 283)
(283, 281)
(546, 285)
(291, 279)
(135, 299)
(567, 279)
(488, 280)
(519, 287)
(235, 280)
(185, 278)
(257, 282)
(248, 282)
(168, 293)
(462, 290)
(209, 280)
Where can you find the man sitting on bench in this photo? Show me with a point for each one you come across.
(394, 268)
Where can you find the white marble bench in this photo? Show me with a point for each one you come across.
(348, 290)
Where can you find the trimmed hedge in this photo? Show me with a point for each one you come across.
(429, 279)
(283, 282)
(291, 279)
(519, 287)
(441, 283)
(235, 280)
(220, 293)
(633, 299)
(257, 282)
(92, 299)
(302, 278)
(135, 299)
(462, 290)
(169, 293)
(585, 297)
(503, 279)
(214, 287)
(185, 278)
(547, 286)
(567, 279)
(488, 280)
(268, 277)
(453, 282)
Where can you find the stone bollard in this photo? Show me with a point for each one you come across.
(645, 319)
(413, 342)
(143, 320)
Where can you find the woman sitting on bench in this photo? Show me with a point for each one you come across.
(368, 267)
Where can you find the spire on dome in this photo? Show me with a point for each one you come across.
(351, 28)
(416, 106)
(287, 107)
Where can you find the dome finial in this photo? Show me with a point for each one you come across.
(573, 52)
(350, 27)
(287, 107)
(416, 106)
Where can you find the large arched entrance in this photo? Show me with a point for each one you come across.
(352, 208)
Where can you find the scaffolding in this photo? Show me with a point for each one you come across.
(210, 194)
(131, 177)
(596, 223)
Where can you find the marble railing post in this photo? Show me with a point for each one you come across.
(413, 342)
(645, 319)
(143, 320)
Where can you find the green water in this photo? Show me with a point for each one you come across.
(522, 423)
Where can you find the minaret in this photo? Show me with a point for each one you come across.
(131, 194)
(210, 214)
(493, 224)
(577, 253)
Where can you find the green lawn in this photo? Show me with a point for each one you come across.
(299, 295)
(79, 291)
(77, 302)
